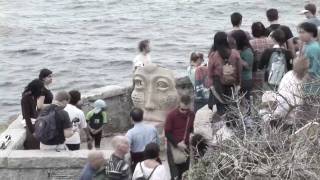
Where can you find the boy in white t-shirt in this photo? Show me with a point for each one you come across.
(78, 120)
(143, 58)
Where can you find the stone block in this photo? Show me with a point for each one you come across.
(21, 159)
(17, 123)
(4, 158)
(17, 138)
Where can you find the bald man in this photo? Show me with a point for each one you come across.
(117, 167)
(95, 164)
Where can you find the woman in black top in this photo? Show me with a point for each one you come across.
(278, 36)
(46, 95)
(29, 111)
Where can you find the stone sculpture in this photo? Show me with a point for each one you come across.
(154, 92)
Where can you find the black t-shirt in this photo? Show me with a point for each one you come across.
(285, 29)
(48, 96)
(96, 121)
(266, 55)
(62, 122)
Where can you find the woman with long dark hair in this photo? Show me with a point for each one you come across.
(224, 70)
(246, 54)
(29, 111)
(46, 97)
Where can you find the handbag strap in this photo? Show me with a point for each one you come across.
(187, 129)
(154, 169)
(152, 172)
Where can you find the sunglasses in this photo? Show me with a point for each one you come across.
(184, 109)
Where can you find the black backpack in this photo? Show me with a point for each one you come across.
(144, 177)
(46, 126)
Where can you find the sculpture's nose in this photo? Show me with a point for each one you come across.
(149, 101)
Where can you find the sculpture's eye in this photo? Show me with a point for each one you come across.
(162, 85)
(138, 83)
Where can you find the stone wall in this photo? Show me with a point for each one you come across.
(43, 165)
(18, 164)
(119, 104)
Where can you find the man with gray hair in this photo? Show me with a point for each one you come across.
(53, 125)
(117, 167)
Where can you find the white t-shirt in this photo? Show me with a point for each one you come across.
(290, 91)
(159, 174)
(141, 60)
(75, 113)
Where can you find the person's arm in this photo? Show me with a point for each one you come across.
(88, 117)
(239, 64)
(291, 48)
(67, 125)
(26, 107)
(191, 125)
(168, 131)
(248, 58)
(85, 126)
(289, 59)
(40, 102)
(68, 132)
(199, 86)
(157, 136)
(211, 65)
(191, 129)
(264, 60)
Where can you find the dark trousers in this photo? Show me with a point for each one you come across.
(73, 147)
(97, 139)
(176, 170)
(31, 142)
(246, 87)
(136, 157)
(224, 92)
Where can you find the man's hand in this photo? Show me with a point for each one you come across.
(182, 146)
(89, 144)
(89, 138)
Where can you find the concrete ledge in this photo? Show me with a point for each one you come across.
(17, 138)
(37, 159)
(4, 158)
(16, 124)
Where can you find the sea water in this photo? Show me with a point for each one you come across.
(91, 43)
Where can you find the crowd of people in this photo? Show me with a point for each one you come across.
(268, 58)
(238, 61)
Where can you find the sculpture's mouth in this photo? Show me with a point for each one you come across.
(154, 115)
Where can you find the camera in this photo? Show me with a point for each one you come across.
(75, 120)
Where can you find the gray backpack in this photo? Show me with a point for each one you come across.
(46, 126)
(277, 67)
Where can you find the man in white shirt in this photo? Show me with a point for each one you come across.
(143, 58)
(77, 119)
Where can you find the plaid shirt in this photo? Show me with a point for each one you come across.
(261, 44)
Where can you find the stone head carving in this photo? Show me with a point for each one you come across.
(154, 92)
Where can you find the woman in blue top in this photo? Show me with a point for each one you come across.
(246, 54)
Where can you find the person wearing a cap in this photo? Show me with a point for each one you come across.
(96, 119)
(310, 11)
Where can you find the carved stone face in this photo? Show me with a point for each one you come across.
(154, 92)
